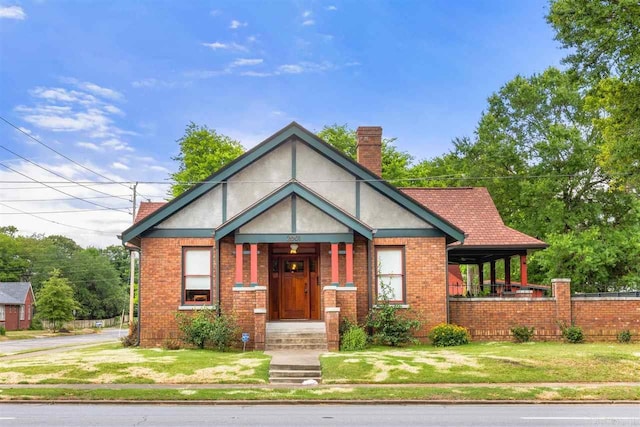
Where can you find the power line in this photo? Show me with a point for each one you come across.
(55, 222)
(62, 199)
(65, 211)
(56, 173)
(60, 154)
(59, 191)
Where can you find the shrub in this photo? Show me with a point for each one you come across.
(446, 335)
(390, 327)
(354, 338)
(206, 327)
(36, 325)
(3, 331)
(572, 334)
(624, 336)
(131, 340)
(522, 333)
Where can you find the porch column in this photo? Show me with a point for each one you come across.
(334, 264)
(507, 273)
(254, 264)
(349, 264)
(492, 266)
(523, 270)
(481, 275)
(239, 265)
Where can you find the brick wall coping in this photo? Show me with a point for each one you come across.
(249, 288)
(560, 280)
(605, 298)
(394, 305)
(260, 311)
(346, 288)
(330, 288)
(332, 310)
(196, 307)
(480, 299)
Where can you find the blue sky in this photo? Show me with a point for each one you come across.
(112, 85)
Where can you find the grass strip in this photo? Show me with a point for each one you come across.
(418, 393)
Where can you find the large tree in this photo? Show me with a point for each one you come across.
(202, 152)
(604, 42)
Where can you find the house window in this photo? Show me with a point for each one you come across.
(22, 312)
(391, 273)
(2, 313)
(196, 279)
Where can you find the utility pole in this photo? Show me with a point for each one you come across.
(132, 267)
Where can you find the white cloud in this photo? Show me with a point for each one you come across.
(304, 67)
(246, 62)
(256, 74)
(291, 69)
(235, 24)
(101, 91)
(116, 144)
(215, 12)
(113, 110)
(225, 46)
(308, 22)
(306, 14)
(331, 8)
(12, 12)
(62, 95)
(252, 39)
(89, 145)
(120, 166)
(159, 168)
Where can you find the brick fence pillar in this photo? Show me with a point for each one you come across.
(260, 317)
(331, 317)
(244, 303)
(346, 300)
(562, 294)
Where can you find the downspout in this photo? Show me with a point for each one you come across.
(446, 275)
(217, 272)
(369, 272)
(139, 292)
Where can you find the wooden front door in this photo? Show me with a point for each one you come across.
(294, 288)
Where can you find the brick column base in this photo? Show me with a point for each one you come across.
(249, 307)
(331, 317)
(260, 317)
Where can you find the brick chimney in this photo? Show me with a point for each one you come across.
(369, 148)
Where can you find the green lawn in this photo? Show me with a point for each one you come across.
(110, 363)
(363, 393)
(486, 363)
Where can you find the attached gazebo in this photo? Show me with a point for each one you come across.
(487, 239)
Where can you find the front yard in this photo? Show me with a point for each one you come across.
(486, 363)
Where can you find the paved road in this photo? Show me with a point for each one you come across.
(319, 415)
(106, 335)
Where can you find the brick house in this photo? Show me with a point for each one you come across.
(295, 230)
(16, 305)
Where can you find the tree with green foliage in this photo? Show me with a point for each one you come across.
(97, 285)
(604, 38)
(202, 152)
(12, 265)
(395, 163)
(55, 301)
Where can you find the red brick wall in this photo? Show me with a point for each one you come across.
(161, 286)
(601, 319)
(426, 275)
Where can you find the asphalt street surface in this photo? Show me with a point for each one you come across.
(319, 415)
(105, 335)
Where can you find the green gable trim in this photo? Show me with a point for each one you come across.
(294, 213)
(293, 189)
(409, 232)
(265, 147)
(179, 232)
(295, 238)
(358, 199)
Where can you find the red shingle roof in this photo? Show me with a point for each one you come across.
(473, 211)
(147, 208)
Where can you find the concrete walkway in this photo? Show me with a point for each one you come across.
(292, 358)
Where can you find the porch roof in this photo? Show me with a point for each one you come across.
(472, 210)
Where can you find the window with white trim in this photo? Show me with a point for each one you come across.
(2, 319)
(390, 274)
(22, 312)
(196, 271)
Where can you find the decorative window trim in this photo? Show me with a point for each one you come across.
(22, 310)
(2, 315)
(402, 275)
(208, 299)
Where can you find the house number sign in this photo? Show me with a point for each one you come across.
(293, 238)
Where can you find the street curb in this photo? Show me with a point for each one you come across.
(315, 402)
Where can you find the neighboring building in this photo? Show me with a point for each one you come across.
(295, 230)
(16, 305)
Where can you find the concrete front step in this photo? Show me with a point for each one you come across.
(293, 347)
(294, 367)
(291, 380)
(279, 373)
